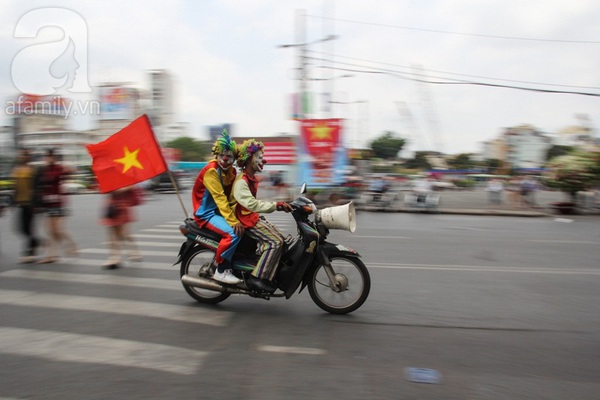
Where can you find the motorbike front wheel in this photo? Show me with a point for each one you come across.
(197, 263)
(351, 288)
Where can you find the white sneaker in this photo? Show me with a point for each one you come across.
(226, 277)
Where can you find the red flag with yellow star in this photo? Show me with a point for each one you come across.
(130, 156)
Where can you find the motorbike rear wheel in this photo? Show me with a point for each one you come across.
(352, 285)
(197, 263)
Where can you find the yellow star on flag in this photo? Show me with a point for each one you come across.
(129, 159)
(321, 132)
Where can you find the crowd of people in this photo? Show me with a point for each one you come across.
(520, 192)
(37, 194)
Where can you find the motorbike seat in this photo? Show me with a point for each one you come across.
(193, 228)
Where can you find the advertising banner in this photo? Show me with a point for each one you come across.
(322, 155)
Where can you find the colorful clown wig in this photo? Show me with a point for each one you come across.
(224, 143)
(247, 149)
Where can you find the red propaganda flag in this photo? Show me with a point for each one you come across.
(130, 156)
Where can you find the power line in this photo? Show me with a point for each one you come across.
(459, 74)
(444, 81)
(458, 33)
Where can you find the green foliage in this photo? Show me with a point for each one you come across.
(574, 172)
(556, 151)
(387, 146)
(462, 161)
(191, 149)
(419, 161)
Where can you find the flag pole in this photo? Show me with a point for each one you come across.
(178, 194)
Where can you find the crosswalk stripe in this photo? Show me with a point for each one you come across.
(179, 236)
(172, 254)
(194, 315)
(159, 230)
(94, 262)
(159, 244)
(95, 279)
(88, 349)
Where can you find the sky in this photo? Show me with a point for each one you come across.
(445, 75)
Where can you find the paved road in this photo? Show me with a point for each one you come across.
(501, 307)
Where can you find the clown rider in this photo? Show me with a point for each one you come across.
(214, 205)
(269, 239)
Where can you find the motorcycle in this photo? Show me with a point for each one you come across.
(337, 279)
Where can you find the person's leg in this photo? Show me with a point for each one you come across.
(225, 250)
(134, 253)
(270, 245)
(114, 248)
(64, 236)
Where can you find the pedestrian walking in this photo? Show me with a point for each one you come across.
(26, 198)
(53, 201)
(495, 189)
(117, 216)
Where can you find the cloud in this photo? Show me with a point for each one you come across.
(227, 66)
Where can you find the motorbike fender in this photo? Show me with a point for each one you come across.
(186, 246)
(326, 252)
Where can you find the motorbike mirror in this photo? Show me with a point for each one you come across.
(303, 188)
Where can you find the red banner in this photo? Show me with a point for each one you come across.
(321, 140)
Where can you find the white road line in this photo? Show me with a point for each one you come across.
(193, 315)
(292, 350)
(160, 230)
(171, 254)
(69, 347)
(475, 268)
(565, 241)
(165, 266)
(179, 237)
(95, 279)
(382, 237)
(176, 245)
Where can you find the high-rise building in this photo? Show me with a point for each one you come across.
(161, 96)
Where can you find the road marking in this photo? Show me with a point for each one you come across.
(95, 279)
(171, 254)
(179, 237)
(88, 349)
(291, 350)
(475, 268)
(565, 241)
(165, 266)
(381, 237)
(194, 315)
(160, 230)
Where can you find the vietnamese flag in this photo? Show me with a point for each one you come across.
(130, 156)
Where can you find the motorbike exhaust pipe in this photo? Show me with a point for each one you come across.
(208, 284)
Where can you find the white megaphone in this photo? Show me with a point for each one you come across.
(339, 217)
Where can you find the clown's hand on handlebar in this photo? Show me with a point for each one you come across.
(283, 206)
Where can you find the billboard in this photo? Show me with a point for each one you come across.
(322, 155)
(117, 102)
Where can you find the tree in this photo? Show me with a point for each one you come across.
(557, 150)
(574, 172)
(191, 149)
(461, 161)
(387, 146)
(419, 161)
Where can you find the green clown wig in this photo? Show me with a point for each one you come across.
(247, 149)
(224, 143)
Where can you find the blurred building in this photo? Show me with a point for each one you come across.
(574, 136)
(162, 102)
(7, 142)
(119, 105)
(40, 123)
(526, 147)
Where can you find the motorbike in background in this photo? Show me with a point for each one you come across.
(337, 279)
